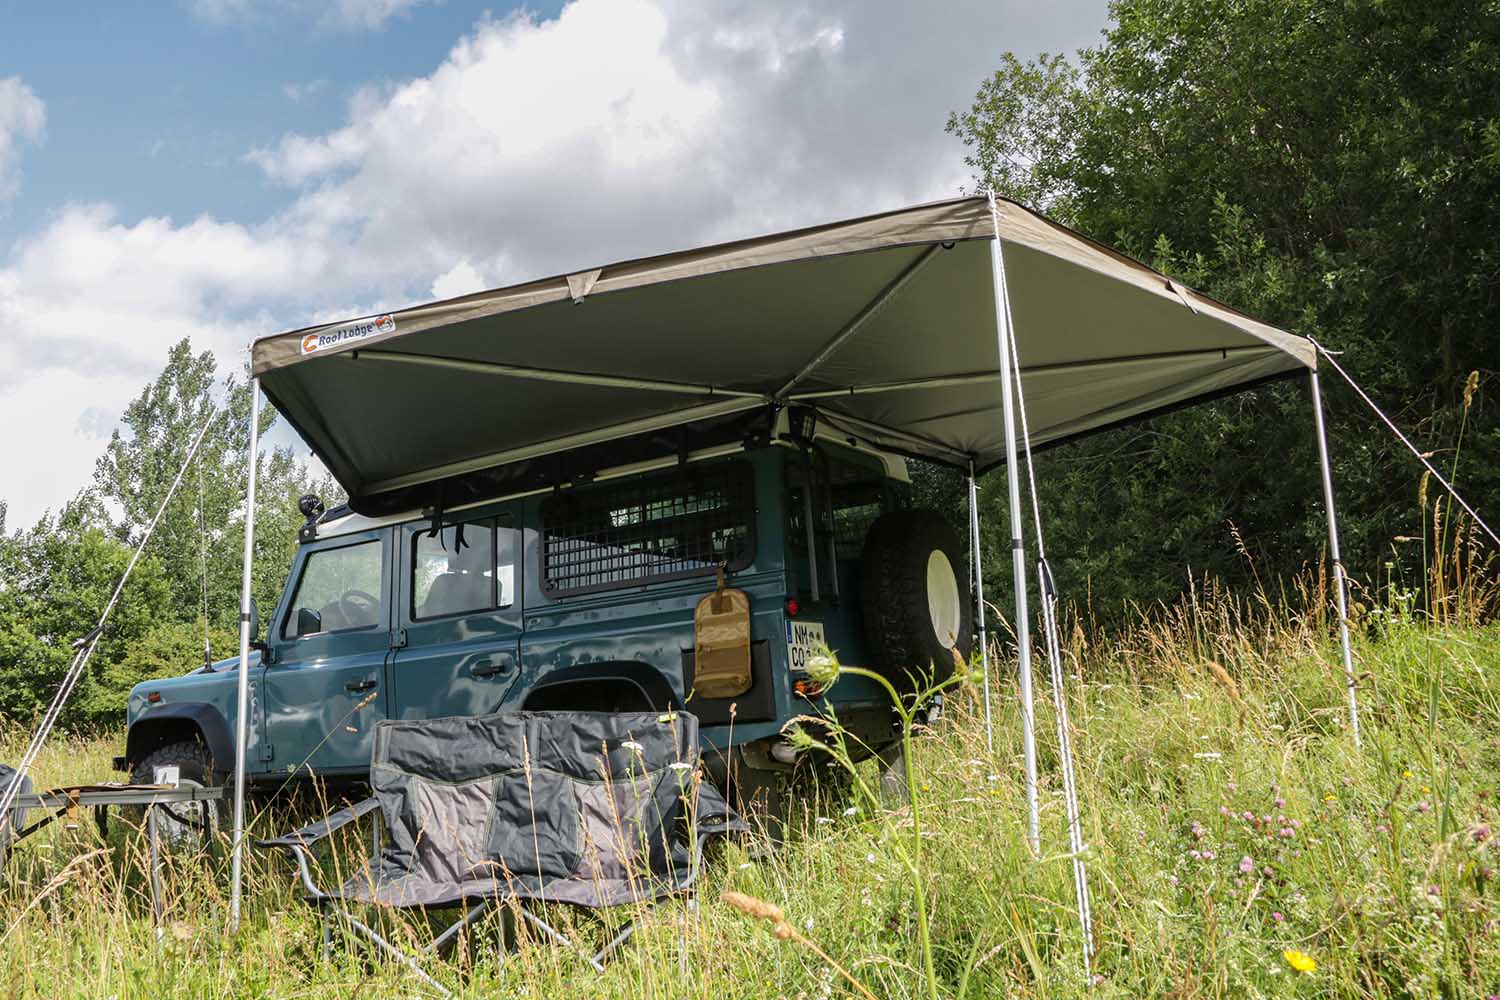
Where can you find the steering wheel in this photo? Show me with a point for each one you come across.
(359, 607)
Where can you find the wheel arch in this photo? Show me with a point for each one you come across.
(177, 723)
(609, 685)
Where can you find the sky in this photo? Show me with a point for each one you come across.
(226, 169)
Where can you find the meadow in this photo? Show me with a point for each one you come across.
(1239, 845)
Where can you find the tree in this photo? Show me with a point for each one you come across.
(1333, 168)
(59, 577)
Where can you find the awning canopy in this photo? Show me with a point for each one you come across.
(885, 324)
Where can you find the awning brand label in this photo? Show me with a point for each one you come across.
(358, 330)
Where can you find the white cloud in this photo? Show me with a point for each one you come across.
(23, 117)
(299, 92)
(370, 15)
(618, 128)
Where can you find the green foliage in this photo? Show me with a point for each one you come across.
(59, 576)
(1332, 168)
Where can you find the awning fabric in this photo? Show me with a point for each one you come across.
(885, 324)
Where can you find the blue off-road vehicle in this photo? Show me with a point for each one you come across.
(587, 595)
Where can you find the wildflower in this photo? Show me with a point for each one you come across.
(1172, 881)
(1330, 797)
(1208, 855)
(851, 811)
(823, 819)
(823, 667)
(1300, 961)
(1426, 790)
(1247, 865)
(1382, 828)
(1480, 833)
(678, 765)
(870, 858)
(1197, 831)
(1224, 811)
(1281, 803)
(1233, 786)
(633, 745)
(1424, 806)
(1195, 855)
(1278, 916)
(1348, 781)
(1098, 979)
(1406, 774)
(1248, 816)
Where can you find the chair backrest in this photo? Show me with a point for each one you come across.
(536, 800)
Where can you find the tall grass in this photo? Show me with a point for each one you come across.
(1229, 821)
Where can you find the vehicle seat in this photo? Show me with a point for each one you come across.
(467, 586)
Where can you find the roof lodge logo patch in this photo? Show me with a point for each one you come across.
(358, 330)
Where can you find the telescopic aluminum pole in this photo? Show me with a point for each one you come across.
(1340, 585)
(241, 730)
(1018, 547)
(984, 642)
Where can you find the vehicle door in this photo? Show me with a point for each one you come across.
(324, 688)
(460, 616)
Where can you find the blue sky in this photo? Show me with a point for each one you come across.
(151, 106)
(225, 169)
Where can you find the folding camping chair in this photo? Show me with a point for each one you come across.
(591, 809)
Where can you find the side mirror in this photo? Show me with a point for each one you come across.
(308, 621)
(254, 624)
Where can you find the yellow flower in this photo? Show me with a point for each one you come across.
(1300, 961)
(1330, 797)
(1406, 774)
(1425, 789)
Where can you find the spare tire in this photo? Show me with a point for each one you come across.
(915, 597)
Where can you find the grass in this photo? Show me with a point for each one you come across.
(1377, 863)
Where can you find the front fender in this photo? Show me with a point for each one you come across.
(175, 722)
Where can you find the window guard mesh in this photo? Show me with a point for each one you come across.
(661, 526)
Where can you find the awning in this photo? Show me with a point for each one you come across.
(885, 324)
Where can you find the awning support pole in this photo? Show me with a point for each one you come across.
(984, 641)
(1017, 545)
(242, 697)
(1340, 585)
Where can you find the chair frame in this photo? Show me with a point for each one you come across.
(333, 906)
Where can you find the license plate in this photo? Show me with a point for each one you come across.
(803, 639)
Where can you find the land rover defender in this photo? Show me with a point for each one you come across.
(582, 595)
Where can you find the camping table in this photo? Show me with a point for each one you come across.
(70, 801)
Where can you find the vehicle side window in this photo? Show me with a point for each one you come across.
(340, 589)
(464, 567)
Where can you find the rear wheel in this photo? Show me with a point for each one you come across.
(916, 602)
(183, 825)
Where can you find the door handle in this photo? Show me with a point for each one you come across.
(358, 686)
(487, 670)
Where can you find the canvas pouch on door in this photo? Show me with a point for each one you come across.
(721, 644)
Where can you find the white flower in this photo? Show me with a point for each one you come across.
(870, 858)
(633, 745)
(823, 819)
(851, 811)
(808, 923)
(678, 765)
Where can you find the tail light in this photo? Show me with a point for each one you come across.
(792, 607)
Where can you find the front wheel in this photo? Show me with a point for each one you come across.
(182, 825)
